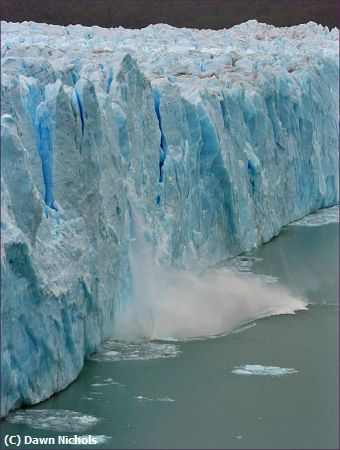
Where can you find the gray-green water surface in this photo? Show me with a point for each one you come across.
(191, 398)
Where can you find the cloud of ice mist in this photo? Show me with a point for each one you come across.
(168, 303)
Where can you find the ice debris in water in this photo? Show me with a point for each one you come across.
(257, 369)
(107, 382)
(53, 419)
(124, 351)
(241, 263)
(158, 399)
(322, 217)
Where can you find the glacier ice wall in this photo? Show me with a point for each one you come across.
(217, 138)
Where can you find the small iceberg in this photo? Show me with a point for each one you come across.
(257, 369)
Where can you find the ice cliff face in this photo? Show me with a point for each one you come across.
(217, 138)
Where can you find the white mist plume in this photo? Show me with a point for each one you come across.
(168, 303)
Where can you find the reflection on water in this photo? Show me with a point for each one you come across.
(305, 259)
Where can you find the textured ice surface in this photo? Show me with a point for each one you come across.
(54, 419)
(216, 138)
(256, 369)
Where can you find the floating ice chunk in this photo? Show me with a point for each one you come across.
(165, 399)
(158, 399)
(53, 419)
(110, 383)
(257, 369)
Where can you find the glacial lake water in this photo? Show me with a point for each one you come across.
(233, 391)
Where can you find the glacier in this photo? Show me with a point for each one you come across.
(216, 139)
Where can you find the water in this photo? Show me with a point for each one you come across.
(271, 384)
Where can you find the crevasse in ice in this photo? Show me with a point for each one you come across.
(217, 138)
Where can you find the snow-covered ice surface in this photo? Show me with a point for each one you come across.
(216, 138)
(257, 369)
